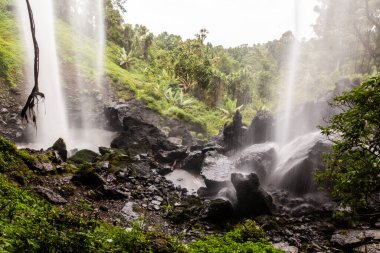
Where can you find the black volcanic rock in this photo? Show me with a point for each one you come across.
(261, 128)
(252, 200)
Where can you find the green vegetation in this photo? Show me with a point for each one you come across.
(10, 47)
(247, 237)
(29, 224)
(352, 166)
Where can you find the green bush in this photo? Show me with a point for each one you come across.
(353, 165)
(247, 237)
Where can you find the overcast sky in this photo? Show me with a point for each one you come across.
(230, 22)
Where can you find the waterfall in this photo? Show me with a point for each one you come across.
(282, 132)
(55, 119)
(87, 19)
(52, 120)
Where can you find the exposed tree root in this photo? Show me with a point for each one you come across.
(29, 110)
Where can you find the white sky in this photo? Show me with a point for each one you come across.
(230, 22)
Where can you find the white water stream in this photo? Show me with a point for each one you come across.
(53, 120)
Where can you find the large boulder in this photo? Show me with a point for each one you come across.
(258, 158)
(252, 200)
(116, 112)
(233, 133)
(194, 161)
(60, 147)
(219, 210)
(141, 137)
(216, 171)
(261, 128)
(298, 162)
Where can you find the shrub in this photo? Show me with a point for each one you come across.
(353, 165)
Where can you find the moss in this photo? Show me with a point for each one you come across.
(84, 156)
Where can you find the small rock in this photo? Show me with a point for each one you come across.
(175, 141)
(50, 195)
(128, 211)
(4, 110)
(43, 167)
(347, 238)
(152, 188)
(368, 248)
(156, 202)
(284, 246)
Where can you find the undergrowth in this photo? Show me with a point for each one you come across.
(10, 49)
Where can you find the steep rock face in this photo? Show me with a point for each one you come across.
(298, 161)
(258, 158)
(252, 200)
(261, 128)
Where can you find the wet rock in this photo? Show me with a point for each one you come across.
(50, 195)
(233, 133)
(128, 211)
(89, 177)
(172, 155)
(368, 248)
(138, 137)
(84, 156)
(284, 246)
(176, 141)
(43, 167)
(349, 238)
(193, 162)
(261, 128)
(298, 162)
(219, 210)
(111, 192)
(60, 147)
(258, 158)
(216, 170)
(252, 200)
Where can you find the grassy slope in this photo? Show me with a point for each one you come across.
(133, 82)
(10, 49)
(127, 83)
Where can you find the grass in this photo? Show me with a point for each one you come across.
(133, 82)
(10, 47)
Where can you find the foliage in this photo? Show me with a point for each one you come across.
(10, 49)
(11, 157)
(230, 108)
(353, 165)
(248, 237)
(177, 97)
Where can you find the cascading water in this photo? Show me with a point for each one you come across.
(52, 120)
(86, 23)
(284, 120)
(87, 19)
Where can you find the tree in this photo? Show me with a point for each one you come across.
(353, 165)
